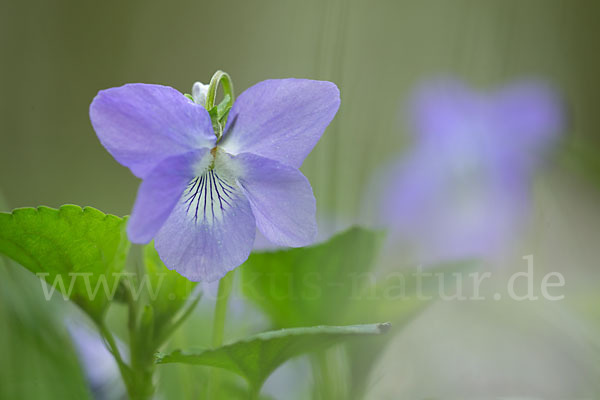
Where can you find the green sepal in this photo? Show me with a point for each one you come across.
(223, 108)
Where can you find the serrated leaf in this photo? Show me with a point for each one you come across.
(256, 357)
(84, 249)
(311, 285)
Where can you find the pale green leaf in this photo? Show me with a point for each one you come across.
(332, 284)
(312, 285)
(256, 357)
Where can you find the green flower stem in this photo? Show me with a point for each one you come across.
(124, 369)
(254, 393)
(138, 374)
(111, 344)
(141, 354)
(324, 388)
(211, 96)
(225, 286)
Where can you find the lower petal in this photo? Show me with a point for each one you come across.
(281, 199)
(532, 114)
(210, 231)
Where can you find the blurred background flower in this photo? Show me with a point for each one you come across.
(463, 189)
(100, 367)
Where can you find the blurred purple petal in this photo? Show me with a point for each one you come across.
(442, 111)
(281, 119)
(101, 369)
(532, 113)
(141, 124)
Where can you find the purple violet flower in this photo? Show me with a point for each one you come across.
(464, 189)
(202, 197)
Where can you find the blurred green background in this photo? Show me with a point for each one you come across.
(56, 55)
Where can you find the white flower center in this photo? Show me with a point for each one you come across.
(214, 189)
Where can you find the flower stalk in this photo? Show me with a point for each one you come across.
(144, 341)
(223, 294)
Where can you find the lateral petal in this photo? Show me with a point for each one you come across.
(281, 199)
(159, 193)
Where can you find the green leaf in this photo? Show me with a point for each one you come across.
(312, 285)
(363, 356)
(236, 390)
(80, 252)
(326, 284)
(332, 284)
(256, 357)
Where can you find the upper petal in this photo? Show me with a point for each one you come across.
(517, 123)
(281, 199)
(441, 110)
(141, 124)
(211, 229)
(530, 114)
(159, 193)
(281, 119)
